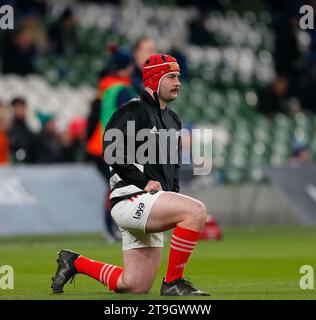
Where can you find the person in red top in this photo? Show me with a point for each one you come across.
(4, 141)
(115, 88)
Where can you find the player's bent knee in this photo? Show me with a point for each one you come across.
(202, 210)
(136, 285)
(138, 289)
(200, 213)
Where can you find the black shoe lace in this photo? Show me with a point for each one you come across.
(73, 280)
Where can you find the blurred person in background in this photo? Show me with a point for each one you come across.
(199, 34)
(49, 142)
(276, 97)
(300, 153)
(143, 48)
(285, 24)
(4, 140)
(62, 34)
(286, 61)
(19, 51)
(21, 137)
(75, 140)
(115, 88)
(307, 85)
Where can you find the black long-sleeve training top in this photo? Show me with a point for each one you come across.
(128, 177)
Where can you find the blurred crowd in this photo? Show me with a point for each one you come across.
(291, 91)
(21, 47)
(20, 144)
(294, 61)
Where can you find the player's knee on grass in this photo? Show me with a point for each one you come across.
(136, 284)
(138, 288)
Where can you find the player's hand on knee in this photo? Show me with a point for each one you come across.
(153, 185)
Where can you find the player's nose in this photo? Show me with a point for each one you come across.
(177, 82)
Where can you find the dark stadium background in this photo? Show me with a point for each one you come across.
(248, 73)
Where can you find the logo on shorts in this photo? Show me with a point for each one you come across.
(140, 211)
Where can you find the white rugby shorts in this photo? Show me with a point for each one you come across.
(131, 217)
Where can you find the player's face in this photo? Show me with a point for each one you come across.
(169, 87)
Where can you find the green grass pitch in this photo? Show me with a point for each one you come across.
(249, 263)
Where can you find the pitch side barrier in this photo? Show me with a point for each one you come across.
(47, 199)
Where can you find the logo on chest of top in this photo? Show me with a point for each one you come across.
(154, 130)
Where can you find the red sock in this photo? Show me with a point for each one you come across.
(105, 273)
(183, 242)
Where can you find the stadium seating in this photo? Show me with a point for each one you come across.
(63, 101)
(221, 90)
